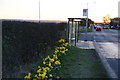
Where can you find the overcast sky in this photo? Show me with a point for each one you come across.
(57, 9)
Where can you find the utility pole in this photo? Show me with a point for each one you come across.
(39, 11)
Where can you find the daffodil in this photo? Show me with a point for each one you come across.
(51, 60)
(66, 49)
(47, 68)
(61, 40)
(62, 47)
(62, 51)
(39, 67)
(44, 62)
(48, 57)
(35, 76)
(55, 57)
(50, 75)
(27, 76)
(46, 76)
(39, 70)
(43, 75)
(35, 79)
(39, 74)
(57, 62)
(49, 64)
(66, 44)
(56, 51)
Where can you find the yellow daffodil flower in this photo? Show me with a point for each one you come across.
(66, 49)
(27, 77)
(35, 75)
(61, 40)
(49, 64)
(56, 51)
(50, 75)
(44, 62)
(39, 70)
(35, 79)
(55, 57)
(39, 74)
(51, 60)
(57, 62)
(46, 76)
(38, 66)
(47, 68)
(62, 51)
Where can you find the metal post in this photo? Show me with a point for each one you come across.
(39, 11)
(71, 31)
(78, 29)
(75, 32)
(86, 23)
(68, 31)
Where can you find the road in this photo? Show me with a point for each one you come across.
(106, 42)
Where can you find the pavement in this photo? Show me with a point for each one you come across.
(89, 44)
(85, 44)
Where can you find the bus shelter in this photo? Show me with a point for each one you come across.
(73, 30)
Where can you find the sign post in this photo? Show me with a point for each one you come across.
(85, 13)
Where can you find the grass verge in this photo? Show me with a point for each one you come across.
(81, 63)
(79, 36)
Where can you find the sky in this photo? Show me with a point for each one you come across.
(57, 9)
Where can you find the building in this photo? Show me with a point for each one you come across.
(115, 22)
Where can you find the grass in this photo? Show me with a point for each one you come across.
(79, 36)
(78, 63)
(81, 63)
(84, 30)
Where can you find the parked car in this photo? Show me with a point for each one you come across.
(95, 25)
(113, 27)
(98, 28)
(106, 26)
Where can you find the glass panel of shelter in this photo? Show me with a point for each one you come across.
(73, 30)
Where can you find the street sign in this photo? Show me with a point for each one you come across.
(85, 12)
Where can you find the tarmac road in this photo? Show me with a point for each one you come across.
(107, 46)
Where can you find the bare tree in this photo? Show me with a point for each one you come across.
(106, 18)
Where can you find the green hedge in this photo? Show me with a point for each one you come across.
(25, 42)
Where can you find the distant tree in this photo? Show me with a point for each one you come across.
(83, 22)
(106, 18)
